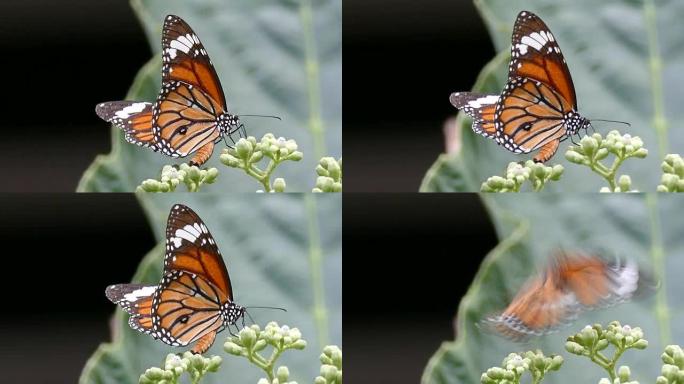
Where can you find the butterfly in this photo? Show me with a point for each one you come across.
(570, 284)
(190, 114)
(194, 299)
(537, 108)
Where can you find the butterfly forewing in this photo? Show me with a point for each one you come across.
(191, 248)
(134, 118)
(185, 59)
(535, 54)
(136, 300)
(480, 107)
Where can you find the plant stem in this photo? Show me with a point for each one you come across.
(656, 69)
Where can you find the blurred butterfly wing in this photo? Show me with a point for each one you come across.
(538, 309)
(530, 116)
(134, 118)
(185, 59)
(480, 108)
(136, 300)
(535, 54)
(191, 248)
(187, 308)
(596, 282)
(185, 119)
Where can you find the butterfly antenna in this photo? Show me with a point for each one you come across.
(278, 308)
(269, 116)
(614, 121)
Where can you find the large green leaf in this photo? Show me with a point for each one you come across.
(281, 250)
(646, 228)
(626, 59)
(279, 57)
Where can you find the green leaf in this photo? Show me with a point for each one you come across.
(645, 228)
(280, 250)
(620, 55)
(279, 58)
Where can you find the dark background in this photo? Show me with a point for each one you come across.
(408, 260)
(60, 58)
(59, 253)
(402, 59)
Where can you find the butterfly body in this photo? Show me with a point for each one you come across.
(537, 108)
(190, 114)
(193, 301)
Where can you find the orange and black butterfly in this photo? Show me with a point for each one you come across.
(194, 299)
(190, 114)
(538, 107)
(570, 284)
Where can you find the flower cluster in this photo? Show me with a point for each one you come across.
(331, 366)
(171, 176)
(249, 152)
(329, 173)
(673, 366)
(592, 342)
(515, 365)
(592, 149)
(673, 174)
(516, 174)
(252, 340)
(195, 365)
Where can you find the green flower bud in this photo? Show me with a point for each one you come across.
(256, 157)
(624, 373)
(589, 145)
(625, 183)
(283, 374)
(247, 337)
(669, 371)
(602, 153)
(661, 380)
(230, 160)
(244, 148)
(556, 363)
(279, 184)
(574, 348)
(260, 345)
(295, 156)
(604, 381)
(263, 381)
(214, 363)
(574, 157)
(640, 153)
(252, 140)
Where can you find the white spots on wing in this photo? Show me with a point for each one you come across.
(522, 48)
(177, 241)
(130, 110)
(138, 293)
(628, 279)
(487, 100)
(171, 52)
(529, 41)
(180, 46)
(185, 41)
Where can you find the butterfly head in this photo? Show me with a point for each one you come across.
(574, 122)
(232, 312)
(229, 124)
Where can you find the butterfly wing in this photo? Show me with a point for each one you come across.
(187, 308)
(191, 99)
(185, 60)
(535, 54)
(571, 284)
(530, 116)
(136, 300)
(480, 107)
(191, 248)
(134, 118)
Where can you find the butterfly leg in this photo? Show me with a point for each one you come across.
(547, 151)
(204, 343)
(203, 154)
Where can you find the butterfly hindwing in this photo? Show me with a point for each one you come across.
(133, 117)
(480, 107)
